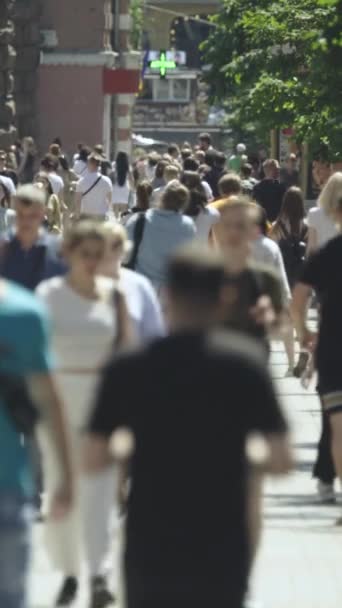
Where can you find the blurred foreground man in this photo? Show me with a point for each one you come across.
(24, 375)
(187, 539)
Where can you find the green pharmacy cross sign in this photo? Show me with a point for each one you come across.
(163, 64)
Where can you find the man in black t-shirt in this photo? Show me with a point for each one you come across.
(249, 283)
(191, 401)
(269, 192)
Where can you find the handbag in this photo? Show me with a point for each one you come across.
(137, 239)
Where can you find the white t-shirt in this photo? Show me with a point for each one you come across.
(97, 201)
(267, 252)
(80, 167)
(204, 222)
(208, 191)
(83, 333)
(121, 194)
(143, 305)
(8, 183)
(323, 224)
(57, 183)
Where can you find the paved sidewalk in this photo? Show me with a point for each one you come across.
(299, 561)
(301, 552)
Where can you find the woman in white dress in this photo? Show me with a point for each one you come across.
(89, 318)
(122, 185)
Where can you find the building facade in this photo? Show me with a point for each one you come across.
(86, 87)
(67, 71)
(175, 106)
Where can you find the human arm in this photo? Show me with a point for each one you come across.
(45, 396)
(78, 202)
(152, 324)
(267, 446)
(312, 243)
(299, 308)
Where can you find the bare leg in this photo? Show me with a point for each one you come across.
(336, 445)
(254, 513)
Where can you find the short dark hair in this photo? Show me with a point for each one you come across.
(196, 274)
(186, 153)
(190, 164)
(84, 152)
(220, 159)
(246, 170)
(210, 158)
(230, 184)
(205, 137)
(175, 196)
(173, 149)
(50, 162)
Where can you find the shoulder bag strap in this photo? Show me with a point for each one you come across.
(137, 238)
(92, 186)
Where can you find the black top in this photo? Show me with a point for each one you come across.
(269, 194)
(212, 178)
(323, 273)
(11, 174)
(247, 287)
(191, 400)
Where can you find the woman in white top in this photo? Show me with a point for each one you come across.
(89, 318)
(322, 227)
(122, 184)
(7, 215)
(204, 217)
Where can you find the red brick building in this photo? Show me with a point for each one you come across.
(86, 89)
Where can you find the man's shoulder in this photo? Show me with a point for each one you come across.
(188, 223)
(106, 180)
(230, 347)
(135, 279)
(23, 303)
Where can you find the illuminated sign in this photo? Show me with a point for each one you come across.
(166, 60)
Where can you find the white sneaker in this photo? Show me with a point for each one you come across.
(326, 492)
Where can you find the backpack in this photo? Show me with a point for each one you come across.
(293, 250)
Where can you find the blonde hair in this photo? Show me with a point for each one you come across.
(117, 233)
(331, 195)
(171, 172)
(82, 231)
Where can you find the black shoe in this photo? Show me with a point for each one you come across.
(68, 591)
(101, 597)
(300, 368)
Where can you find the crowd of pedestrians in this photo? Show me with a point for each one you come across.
(138, 301)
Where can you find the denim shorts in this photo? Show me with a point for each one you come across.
(15, 537)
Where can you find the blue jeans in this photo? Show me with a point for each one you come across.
(15, 527)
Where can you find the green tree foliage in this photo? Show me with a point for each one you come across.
(278, 64)
(137, 21)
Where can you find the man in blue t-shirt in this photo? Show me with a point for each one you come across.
(29, 254)
(24, 354)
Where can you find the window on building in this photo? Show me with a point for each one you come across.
(173, 89)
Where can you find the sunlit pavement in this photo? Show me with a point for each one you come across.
(299, 563)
